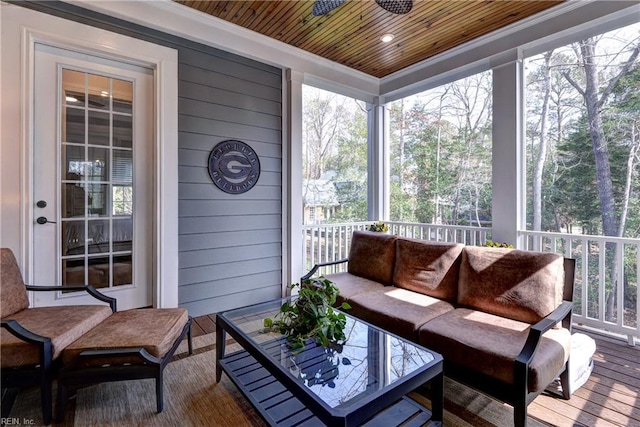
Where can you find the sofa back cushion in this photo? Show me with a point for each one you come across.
(430, 268)
(372, 256)
(14, 294)
(519, 285)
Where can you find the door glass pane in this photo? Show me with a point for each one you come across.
(98, 236)
(122, 96)
(122, 131)
(98, 164)
(73, 131)
(98, 199)
(73, 200)
(98, 128)
(73, 237)
(96, 186)
(99, 92)
(99, 274)
(73, 272)
(122, 269)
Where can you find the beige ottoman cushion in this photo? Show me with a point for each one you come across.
(154, 329)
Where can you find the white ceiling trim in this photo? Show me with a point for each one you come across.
(505, 45)
(179, 20)
(471, 57)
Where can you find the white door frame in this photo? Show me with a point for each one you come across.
(29, 27)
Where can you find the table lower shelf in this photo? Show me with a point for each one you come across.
(279, 407)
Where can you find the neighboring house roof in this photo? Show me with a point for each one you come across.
(319, 192)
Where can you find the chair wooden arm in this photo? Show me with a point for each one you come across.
(24, 334)
(536, 331)
(322, 264)
(44, 343)
(86, 288)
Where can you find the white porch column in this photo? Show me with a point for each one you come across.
(378, 161)
(508, 180)
(292, 242)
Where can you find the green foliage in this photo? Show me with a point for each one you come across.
(310, 315)
(492, 244)
(378, 227)
(440, 152)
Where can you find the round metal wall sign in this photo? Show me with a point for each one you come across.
(234, 166)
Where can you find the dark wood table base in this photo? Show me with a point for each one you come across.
(279, 407)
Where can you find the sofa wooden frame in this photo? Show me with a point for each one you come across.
(517, 394)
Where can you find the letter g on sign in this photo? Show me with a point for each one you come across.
(233, 166)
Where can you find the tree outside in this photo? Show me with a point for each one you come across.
(583, 154)
(335, 157)
(441, 154)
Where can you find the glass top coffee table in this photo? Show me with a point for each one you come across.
(363, 382)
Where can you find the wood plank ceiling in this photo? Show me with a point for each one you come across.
(350, 34)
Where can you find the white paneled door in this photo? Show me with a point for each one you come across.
(92, 177)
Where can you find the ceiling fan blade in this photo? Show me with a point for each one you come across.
(398, 7)
(321, 7)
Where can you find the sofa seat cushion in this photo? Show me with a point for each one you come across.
(490, 344)
(63, 325)
(397, 310)
(154, 329)
(372, 255)
(350, 285)
(430, 268)
(520, 285)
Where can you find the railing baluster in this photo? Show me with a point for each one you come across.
(602, 271)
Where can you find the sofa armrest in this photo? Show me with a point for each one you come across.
(558, 315)
(87, 288)
(322, 264)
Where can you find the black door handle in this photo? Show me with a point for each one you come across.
(43, 220)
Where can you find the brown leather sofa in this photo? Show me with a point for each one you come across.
(501, 318)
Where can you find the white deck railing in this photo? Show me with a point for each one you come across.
(606, 284)
(600, 303)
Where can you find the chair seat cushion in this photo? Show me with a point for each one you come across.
(397, 310)
(495, 342)
(154, 329)
(63, 325)
(349, 285)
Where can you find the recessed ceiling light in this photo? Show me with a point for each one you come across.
(71, 98)
(387, 38)
(104, 93)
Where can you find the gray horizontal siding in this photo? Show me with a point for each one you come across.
(199, 158)
(198, 92)
(230, 247)
(213, 208)
(201, 175)
(203, 257)
(225, 239)
(224, 129)
(226, 302)
(229, 286)
(257, 221)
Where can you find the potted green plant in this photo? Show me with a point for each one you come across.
(310, 315)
